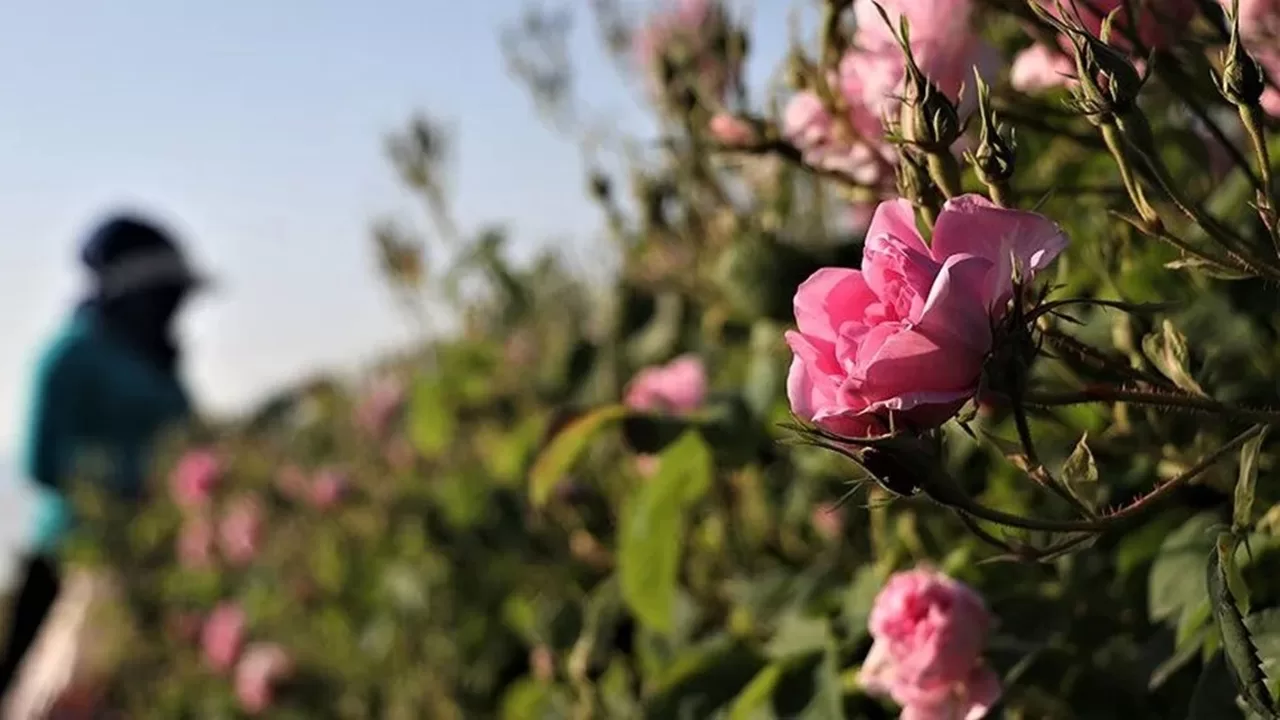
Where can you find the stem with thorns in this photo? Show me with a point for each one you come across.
(1165, 399)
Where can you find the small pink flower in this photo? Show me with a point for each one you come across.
(647, 465)
(678, 387)
(261, 668)
(909, 333)
(291, 481)
(930, 632)
(730, 130)
(828, 521)
(195, 542)
(328, 488)
(379, 407)
(240, 531)
(222, 636)
(194, 477)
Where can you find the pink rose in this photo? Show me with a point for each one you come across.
(678, 387)
(222, 636)
(291, 481)
(828, 521)
(909, 334)
(194, 477)
(328, 488)
(262, 667)
(730, 130)
(1260, 31)
(379, 407)
(930, 632)
(195, 542)
(240, 531)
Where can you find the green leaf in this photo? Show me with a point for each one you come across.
(1167, 350)
(798, 635)
(753, 703)
(1237, 647)
(1080, 473)
(565, 448)
(858, 599)
(1177, 581)
(828, 699)
(1242, 514)
(432, 421)
(652, 532)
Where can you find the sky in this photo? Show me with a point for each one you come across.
(256, 129)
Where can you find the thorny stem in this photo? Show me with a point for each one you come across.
(1103, 393)
(1115, 143)
(942, 489)
(1251, 117)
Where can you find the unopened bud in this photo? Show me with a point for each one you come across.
(994, 158)
(1242, 81)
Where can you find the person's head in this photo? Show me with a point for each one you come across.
(139, 274)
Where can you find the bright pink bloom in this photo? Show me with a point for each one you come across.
(380, 405)
(194, 477)
(263, 666)
(910, 332)
(930, 632)
(731, 130)
(328, 488)
(195, 542)
(1260, 29)
(222, 636)
(678, 387)
(240, 531)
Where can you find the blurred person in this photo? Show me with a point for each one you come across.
(107, 385)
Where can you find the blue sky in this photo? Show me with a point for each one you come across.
(255, 128)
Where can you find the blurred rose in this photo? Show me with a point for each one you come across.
(222, 636)
(828, 521)
(685, 31)
(240, 532)
(380, 405)
(194, 477)
(930, 632)
(1159, 25)
(291, 481)
(730, 130)
(542, 663)
(195, 542)
(327, 488)
(679, 387)
(259, 670)
(648, 465)
(909, 334)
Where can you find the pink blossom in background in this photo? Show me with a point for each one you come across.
(679, 387)
(240, 531)
(1260, 30)
(328, 488)
(380, 405)
(929, 634)
(870, 79)
(648, 465)
(261, 668)
(1159, 25)
(828, 521)
(910, 332)
(731, 130)
(222, 636)
(688, 24)
(291, 481)
(194, 477)
(195, 542)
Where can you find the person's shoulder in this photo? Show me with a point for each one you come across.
(70, 351)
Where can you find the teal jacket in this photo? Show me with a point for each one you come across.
(94, 398)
